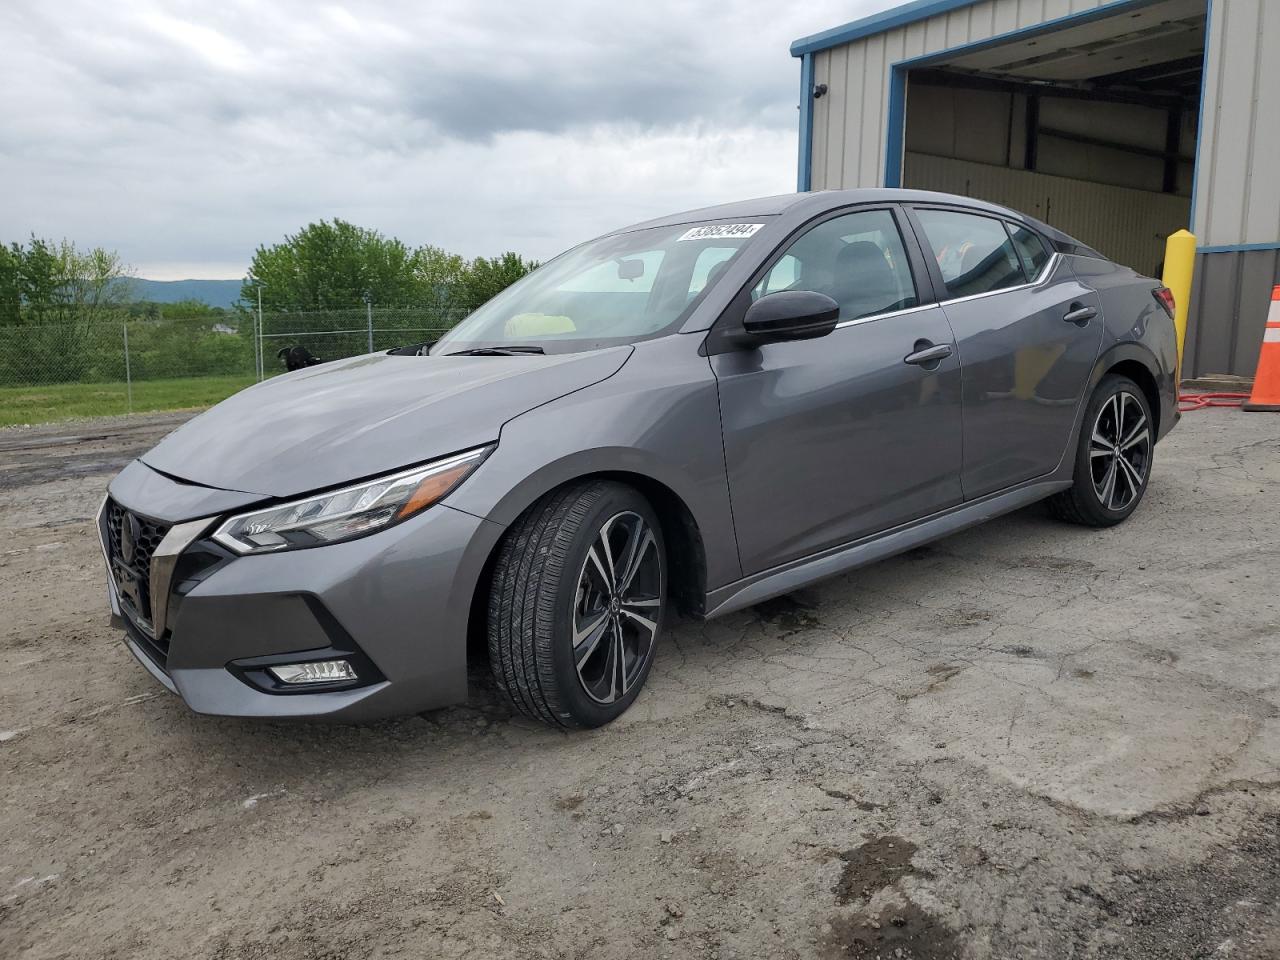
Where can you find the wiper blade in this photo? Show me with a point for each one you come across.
(514, 350)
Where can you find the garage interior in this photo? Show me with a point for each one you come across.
(1090, 127)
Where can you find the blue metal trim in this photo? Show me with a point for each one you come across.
(1204, 85)
(896, 129)
(1238, 247)
(896, 132)
(804, 179)
(877, 23)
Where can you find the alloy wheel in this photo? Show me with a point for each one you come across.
(617, 607)
(1120, 451)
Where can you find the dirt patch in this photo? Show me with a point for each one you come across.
(874, 865)
(965, 617)
(35, 455)
(903, 932)
(787, 613)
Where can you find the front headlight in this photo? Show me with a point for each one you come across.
(353, 511)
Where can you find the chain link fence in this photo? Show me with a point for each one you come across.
(134, 365)
(332, 334)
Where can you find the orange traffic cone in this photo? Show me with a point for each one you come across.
(1266, 382)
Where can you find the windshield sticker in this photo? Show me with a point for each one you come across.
(721, 231)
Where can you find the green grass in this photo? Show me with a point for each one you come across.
(65, 401)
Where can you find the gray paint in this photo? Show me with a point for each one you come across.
(773, 583)
(657, 418)
(829, 440)
(1229, 303)
(754, 443)
(1014, 431)
(1131, 333)
(403, 595)
(357, 418)
(154, 495)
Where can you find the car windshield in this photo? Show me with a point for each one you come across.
(617, 289)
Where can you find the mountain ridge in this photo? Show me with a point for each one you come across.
(215, 293)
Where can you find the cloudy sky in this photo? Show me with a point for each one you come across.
(183, 134)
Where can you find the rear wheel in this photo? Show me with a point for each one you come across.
(1113, 459)
(577, 603)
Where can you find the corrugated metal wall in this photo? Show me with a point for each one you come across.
(1229, 303)
(989, 126)
(1130, 226)
(849, 122)
(1238, 189)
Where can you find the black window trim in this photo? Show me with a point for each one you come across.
(1044, 244)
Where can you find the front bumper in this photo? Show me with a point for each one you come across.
(400, 599)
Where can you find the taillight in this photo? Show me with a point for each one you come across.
(1164, 296)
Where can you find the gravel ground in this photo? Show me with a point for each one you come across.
(1028, 740)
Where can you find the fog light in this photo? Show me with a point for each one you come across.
(317, 671)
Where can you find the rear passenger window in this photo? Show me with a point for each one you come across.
(973, 252)
(1031, 250)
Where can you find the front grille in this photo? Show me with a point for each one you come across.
(157, 651)
(131, 541)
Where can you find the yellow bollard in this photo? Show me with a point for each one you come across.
(1179, 265)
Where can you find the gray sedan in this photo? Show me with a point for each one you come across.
(699, 412)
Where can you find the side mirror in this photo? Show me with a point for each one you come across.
(791, 315)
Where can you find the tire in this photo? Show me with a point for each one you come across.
(552, 585)
(1109, 483)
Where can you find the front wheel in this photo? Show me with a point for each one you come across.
(577, 603)
(1113, 459)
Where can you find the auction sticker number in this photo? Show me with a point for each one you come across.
(721, 231)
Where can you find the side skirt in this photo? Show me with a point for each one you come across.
(799, 573)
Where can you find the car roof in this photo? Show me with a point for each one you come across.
(817, 202)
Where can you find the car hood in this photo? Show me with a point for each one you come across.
(350, 419)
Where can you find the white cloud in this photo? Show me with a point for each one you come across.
(184, 134)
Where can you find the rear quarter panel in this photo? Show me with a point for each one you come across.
(1136, 328)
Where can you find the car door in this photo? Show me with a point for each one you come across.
(829, 440)
(1028, 334)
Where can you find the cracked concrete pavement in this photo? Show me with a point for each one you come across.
(1027, 740)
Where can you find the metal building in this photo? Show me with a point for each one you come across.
(1118, 121)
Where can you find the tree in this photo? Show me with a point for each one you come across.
(10, 285)
(438, 274)
(62, 295)
(331, 264)
(334, 265)
(54, 283)
(486, 277)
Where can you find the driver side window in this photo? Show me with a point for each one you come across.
(858, 260)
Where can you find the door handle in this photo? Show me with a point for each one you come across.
(1080, 314)
(927, 353)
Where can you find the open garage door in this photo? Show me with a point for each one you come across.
(1092, 127)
